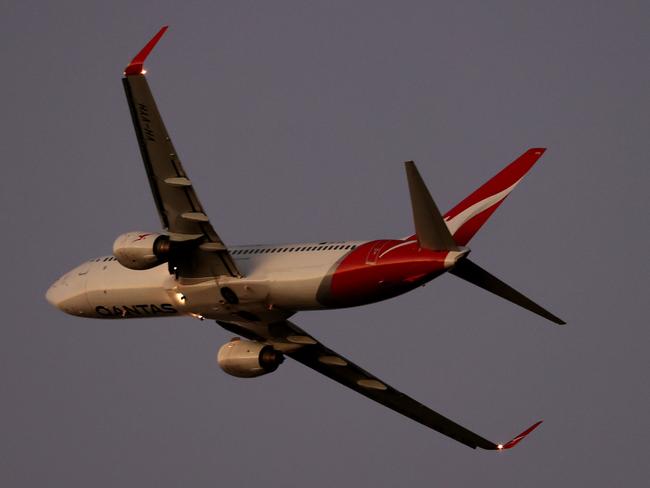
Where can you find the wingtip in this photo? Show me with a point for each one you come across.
(518, 438)
(136, 66)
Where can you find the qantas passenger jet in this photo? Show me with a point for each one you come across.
(253, 290)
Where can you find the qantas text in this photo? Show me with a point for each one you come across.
(135, 310)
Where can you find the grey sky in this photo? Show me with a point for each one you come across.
(293, 119)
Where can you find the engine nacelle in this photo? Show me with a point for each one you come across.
(141, 250)
(247, 359)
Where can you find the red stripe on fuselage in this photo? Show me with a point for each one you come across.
(381, 269)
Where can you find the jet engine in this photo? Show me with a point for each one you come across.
(248, 359)
(141, 250)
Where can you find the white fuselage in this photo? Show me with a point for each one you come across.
(279, 280)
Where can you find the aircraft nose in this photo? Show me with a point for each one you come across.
(53, 295)
(68, 293)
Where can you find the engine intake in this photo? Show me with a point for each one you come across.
(248, 359)
(141, 250)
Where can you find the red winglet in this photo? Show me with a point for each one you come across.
(517, 439)
(135, 66)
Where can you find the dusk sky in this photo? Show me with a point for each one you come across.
(293, 120)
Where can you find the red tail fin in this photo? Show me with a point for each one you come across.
(466, 218)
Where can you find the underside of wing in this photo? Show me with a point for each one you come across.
(302, 347)
(200, 251)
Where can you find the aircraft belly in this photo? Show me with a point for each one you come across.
(295, 292)
(291, 281)
(117, 292)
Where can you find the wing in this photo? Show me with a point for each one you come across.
(302, 347)
(181, 213)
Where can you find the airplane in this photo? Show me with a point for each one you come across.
(253, 290)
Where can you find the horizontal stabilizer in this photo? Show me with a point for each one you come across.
(430, 228)
(476, 275)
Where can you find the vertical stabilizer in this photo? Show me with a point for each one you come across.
(466, 218)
